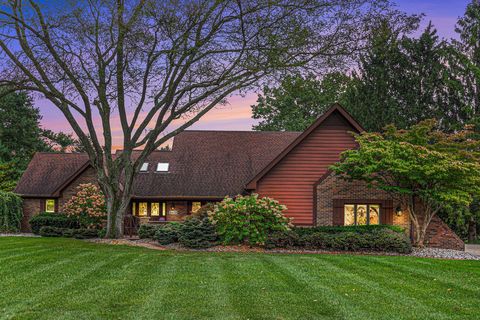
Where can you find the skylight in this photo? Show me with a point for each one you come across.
(162, 167)
(144, 166)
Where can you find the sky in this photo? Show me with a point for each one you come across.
(236, 115)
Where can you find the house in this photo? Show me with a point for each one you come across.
(205, 166)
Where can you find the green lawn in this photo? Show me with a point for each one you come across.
(43, 278)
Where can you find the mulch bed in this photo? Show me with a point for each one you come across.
(418, 252)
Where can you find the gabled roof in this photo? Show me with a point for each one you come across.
(48, 173)
(210, 164)
(252, 184)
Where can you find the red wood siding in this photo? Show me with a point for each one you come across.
(291, 181)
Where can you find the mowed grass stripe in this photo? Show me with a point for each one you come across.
(61, 282)
(366, 280)
(320, 277)
(73, 279)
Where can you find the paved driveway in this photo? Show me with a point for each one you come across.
(473, 249)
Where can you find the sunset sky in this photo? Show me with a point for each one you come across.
(237, 114)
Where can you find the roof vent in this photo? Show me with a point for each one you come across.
(162, 167)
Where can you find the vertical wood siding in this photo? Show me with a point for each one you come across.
(291, 181)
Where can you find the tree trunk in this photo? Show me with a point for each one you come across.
(421, 220)
(472, 229)
(116, 208)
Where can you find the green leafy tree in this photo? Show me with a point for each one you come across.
(404, 80)
(468, 63)
(61, 142)
(20, 132)
(298, 101)
(423, 168)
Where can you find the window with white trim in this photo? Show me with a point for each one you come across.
(144, 167)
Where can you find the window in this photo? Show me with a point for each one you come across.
(134, 208)
(361, 214)
(142, 209)
(164, 209)
(196, 206)
(162, 167)
(144, 167)
(155, 209)
(50, 205)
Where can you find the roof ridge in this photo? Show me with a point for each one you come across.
(242, 131)
(61, 153)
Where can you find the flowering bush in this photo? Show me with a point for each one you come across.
(248, 219)
(88, 204)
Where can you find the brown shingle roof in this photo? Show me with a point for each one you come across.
(47, 172)
(211, 163)
(202, 164)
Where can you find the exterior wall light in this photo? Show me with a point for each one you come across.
(398, 211)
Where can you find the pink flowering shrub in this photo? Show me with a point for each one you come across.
(88, 204)
(248, 219)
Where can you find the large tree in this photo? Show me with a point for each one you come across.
(20, 132)
(403, 80)
(20, 137)
(298, 101)
(468, 62)
(423, 168)
(140, 65)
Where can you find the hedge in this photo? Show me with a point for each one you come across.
(168, 233)
(369, 239)
(197, 233)
(58, 220)
(355, 229)
(147, 231)
(11, 212)
(82, 233)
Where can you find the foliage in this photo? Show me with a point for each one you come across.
(203, 211)
(380, 239)
(168, 233)
(88, 204)
(466, 58)
(20, 133)
(81, 233)
(298, 101)
(147, 231)
(20, 136)
(248, 219)
(403, 80)
(420, 164)
(49, 231)
(463, 220)
(61, 142)
(197, 233)
(10, 173)
(11, 212)
(355, 229)
(58, 220)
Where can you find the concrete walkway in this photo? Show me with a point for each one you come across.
(473, 249)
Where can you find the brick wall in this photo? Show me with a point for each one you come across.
(333, 188)
(31, 207)
(439, 235)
